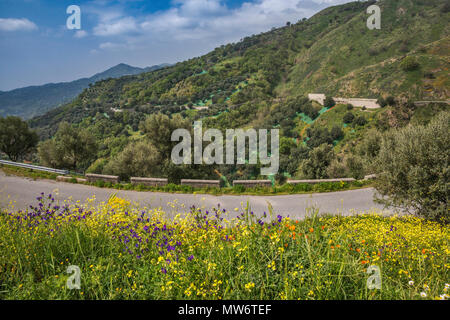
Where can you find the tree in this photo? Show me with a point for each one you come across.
(71, 148)
(348, 117)
(382, 102)
(409, 64)
(315, 167)
(158, 129)
(138, 159)
(336, 133)
(390, 101)
(329, 102)
(360, 121)
(16, 139)
(413, 169)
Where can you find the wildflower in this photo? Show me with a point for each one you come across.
(249, 286)
(423, 294)
(411, 283)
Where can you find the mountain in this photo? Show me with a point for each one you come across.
(263, 80)
(35, 100)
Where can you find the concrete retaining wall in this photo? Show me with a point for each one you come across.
(319, 97)
(253, 183)
(359, 102)
(200, 183)
(356, 102)
(63, 178)
(153, 182)
(92, 177)
(311, 181)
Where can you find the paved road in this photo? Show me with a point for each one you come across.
(24, 191)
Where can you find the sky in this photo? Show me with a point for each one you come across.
(37, 47)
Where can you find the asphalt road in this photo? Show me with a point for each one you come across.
(24, 191)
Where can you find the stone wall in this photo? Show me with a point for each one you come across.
(319, 97)
(92, 177)
(153, 182)
(313, 181)
(356, 102)
(200, 183)
(253, 183)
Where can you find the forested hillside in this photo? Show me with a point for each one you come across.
(36, 100)
(262, 82)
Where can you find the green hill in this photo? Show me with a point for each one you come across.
(36, 100)
(262, 80)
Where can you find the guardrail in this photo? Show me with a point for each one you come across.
(33, 167)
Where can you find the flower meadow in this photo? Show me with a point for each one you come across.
(125, 251)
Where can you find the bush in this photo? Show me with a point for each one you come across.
(329, 102)
(391, 101)
(348, 117)
(349, 106)
(409, 64)
(360, 121)
(413, 169)
(315, 167)
(382, 102)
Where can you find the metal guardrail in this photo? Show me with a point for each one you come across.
(33, 167)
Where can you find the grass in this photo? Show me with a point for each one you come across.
(302, 188)
(126, 252)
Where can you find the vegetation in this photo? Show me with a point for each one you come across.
(16, 139)
(126, 252)
(413, 168)
(36, 100)
(69, 149)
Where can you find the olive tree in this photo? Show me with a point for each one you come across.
(16, 139)
(413, 168)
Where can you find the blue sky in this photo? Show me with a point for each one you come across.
(36, 47)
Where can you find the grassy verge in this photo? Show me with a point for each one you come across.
(124, 252)
(303, 188)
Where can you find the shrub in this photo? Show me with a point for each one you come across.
(413, 169)
(329, 102)
(390, 100)
(360, 121)
(315, 167)
(348, 117)
(349, 106)
(382, 102)
(409, 64)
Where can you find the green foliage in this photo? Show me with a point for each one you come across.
(315, 167)
(382, 102)
(413, 168)
(16, 139)
(138, 159)
(158, 130)
(409, 64)
(349, 117)
(329, 102)
(360, 121)
(71, 148)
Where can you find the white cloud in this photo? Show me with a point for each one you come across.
(200, 21)
(116, 27)
(10, 24)
(111, 46)
(80, 34)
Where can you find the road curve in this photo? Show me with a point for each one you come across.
(24, 191)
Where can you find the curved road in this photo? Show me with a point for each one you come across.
(24, 191)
